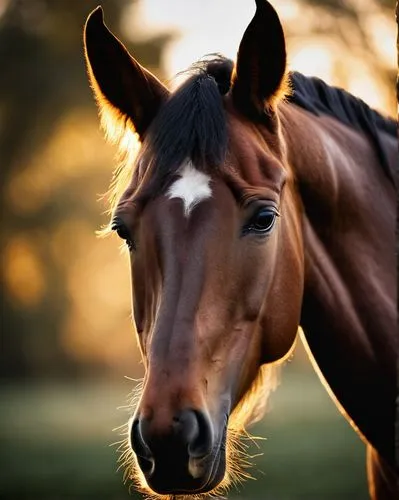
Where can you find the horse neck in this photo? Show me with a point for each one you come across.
(349, 304)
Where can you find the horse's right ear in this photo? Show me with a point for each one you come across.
(125, 91)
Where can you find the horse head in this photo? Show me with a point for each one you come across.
(213, 228)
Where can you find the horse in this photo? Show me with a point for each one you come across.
(260, 201)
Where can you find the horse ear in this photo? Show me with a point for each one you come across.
(123, 88)
(259, 79)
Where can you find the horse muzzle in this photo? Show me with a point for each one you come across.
(183, 456)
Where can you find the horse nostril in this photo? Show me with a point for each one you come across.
(201, 443)
(139, 446)
(147, 465)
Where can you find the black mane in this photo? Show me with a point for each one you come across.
(316, 96)
(191, 125)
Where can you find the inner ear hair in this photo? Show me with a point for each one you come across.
(125, 91)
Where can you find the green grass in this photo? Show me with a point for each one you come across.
(54, 444)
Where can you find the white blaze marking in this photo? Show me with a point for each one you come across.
(192, 187)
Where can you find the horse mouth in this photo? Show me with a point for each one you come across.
(188, 476)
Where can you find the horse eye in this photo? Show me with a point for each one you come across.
(123, 233)
(263, 221)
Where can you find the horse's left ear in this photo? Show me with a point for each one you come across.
(259, 79)
(124, 89)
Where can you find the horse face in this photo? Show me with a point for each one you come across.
(217, 286)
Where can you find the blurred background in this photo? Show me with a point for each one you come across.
(68, 352)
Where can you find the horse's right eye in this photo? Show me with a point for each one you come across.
(121, 230)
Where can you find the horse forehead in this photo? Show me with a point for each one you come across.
(192, 187)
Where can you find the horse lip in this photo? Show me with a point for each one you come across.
(196, 466)
(202, 470)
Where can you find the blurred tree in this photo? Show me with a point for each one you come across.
(348, 6)
(358, 13)
(43, 77)
(397, 66)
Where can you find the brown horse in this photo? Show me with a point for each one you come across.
(260, 200)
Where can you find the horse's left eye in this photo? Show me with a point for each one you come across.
(263, 221)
